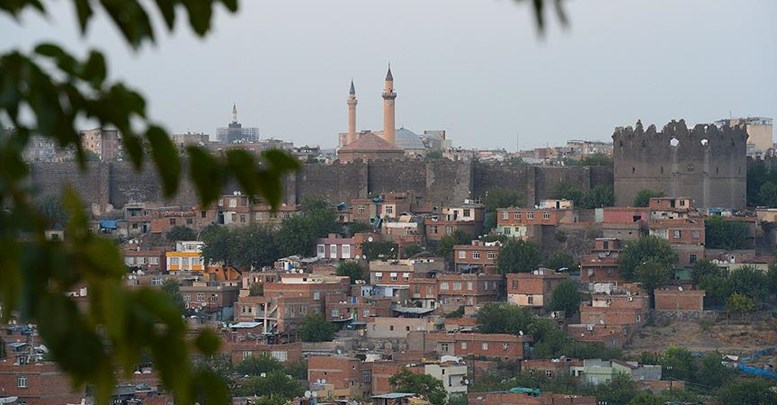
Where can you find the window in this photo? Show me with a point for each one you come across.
(530, 215)
(444, 286)
(247, 354)
(232, 202)
(280, 355)
(505, 215)
(405, 276)
(203, 214)
(321, 250)
(505, 346)
(517, 215)
(546, 215)
(335, 312)
(443, 347)
(433, 229)
(234, 217)
(491, 255)
(393, 276)
(189, 221)
(548, 373)
(467, 212)
(214, 297)
(175, 261)
(129, 261)
(463, 345)
(469, 286)
(378, 276)
(693, 258)
(456, 286)
(448, 229)
(200, 297)
(242, 218)
(153, 260)
(484, 346)
(258, 216)
(695, 234)
(391, 327)
(407, 328)
(156, 281)
(316, 295)
(507, 230)
(476, 255)
(485, 285)
(332, 251)
(530, 299)
(187, 297)
(172, 221)
(366, 377)
(361, 209)
(389, 210)
(21, 381)
(346, 251)
(462, 254)
(677, 233)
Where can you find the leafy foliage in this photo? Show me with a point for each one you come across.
(642, 250)
(653, 274)
(447, 242)
(172, 288)
(351, 269)
(704, 268)
(253, 245)
(518, 256)
(256, 290)
(722, 234)
(751, 391)
(502, 317)
(52, 210)
(180, 232)
(740, 303)
(315, 328)
(274, 388)
(565, 298)
(298, 233)
(561, 260)
(256, 365)
(599, 196)
(678, 363)
(749, 281)
(422, 384)
(502, 198)
(642, 199)
(377, 250)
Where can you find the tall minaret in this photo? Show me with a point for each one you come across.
(388, 107)
(351, 115)
(234, 112)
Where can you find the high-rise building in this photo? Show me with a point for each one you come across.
(235, 133)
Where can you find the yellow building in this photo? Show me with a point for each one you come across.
(186, 257)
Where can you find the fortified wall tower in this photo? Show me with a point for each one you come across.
(706, 163)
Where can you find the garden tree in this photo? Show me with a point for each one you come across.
(352, 269)
(518, 256)
(646, 398)
(172, 288)
(315, 328)
(458, 399)
(3, 352)
(298, 234)
(434, 155)
(458, 313)
(489, 222)
(561, 260)
(422, 384)
(379, 250)
(643, 249)
(597, 197)
(411, 250)
(642, 199)
(749, 281)
(678, 363)
(496, 198)
(652, 274)
(447, 242)
(180, 232)
(722, 234)
(618, 391)
(568, 191)
(502, 317)
(715, 290)
(755, 391)
(712, 372)
(256, 365)
(740, 303)
(771, 279)
(253, 246)
(219, 244)
(358, 227)
(704, 268)
(53, 212)
(275, 387)
(767, 195)
(565, 298)
(256, 290)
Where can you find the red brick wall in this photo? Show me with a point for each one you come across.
(45, 384)
(676, 300)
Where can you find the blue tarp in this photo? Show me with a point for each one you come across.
(109, 224)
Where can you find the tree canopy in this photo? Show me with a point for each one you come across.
(565, 298)
(315, 328)
(180, 232)
(518, 256)
(642, 199)
(496, 198)
(422, 384)
(722, 234)
(642, 250)
(351, 269)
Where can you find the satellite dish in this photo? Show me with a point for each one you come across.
(323, 381)
(307, 394)
(369, 239)
(520, 333)
(315, 394)
(263, 375)
(601, 322)
(681, 288)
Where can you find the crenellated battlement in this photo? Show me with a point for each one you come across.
(706, 162)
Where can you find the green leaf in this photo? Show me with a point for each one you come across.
(207, 342)
(207, 174)
(165, 156)
(200, 13)
(167, 9)
(84, 12)
(95, 70)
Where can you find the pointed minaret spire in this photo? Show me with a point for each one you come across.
(388, 107)
(351, 115)
(234, 112)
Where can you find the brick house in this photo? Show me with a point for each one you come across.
(468, 289)
(491, 345)
(149, 261)
(343, 373)
(335, 247)
(516, 222)
(243, 349)
(476, 257)
(210, 297)
(601, 264)
(678, 299)
(37, 384)
(615, 309)
(467, 218)
(514, 398)
(186, 257)
(533, 290)
(550, 368)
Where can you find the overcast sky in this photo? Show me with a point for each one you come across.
(476, 68)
